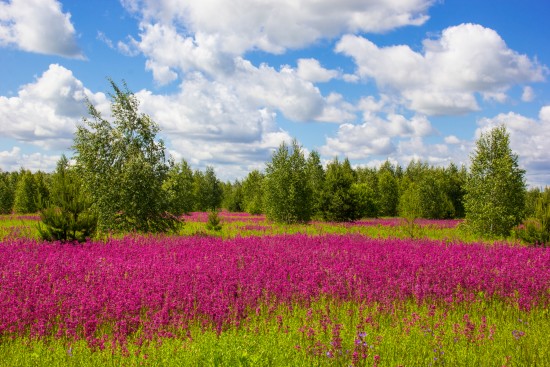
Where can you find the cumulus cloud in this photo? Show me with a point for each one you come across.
(528, 94)
(14, 159)
(312, 71)
(45, 112)
(376, 136)
(275, 26)
(528, 138)
(444, 79)
(206, 122)
(206, 36)
(451, 139)
(38, 26)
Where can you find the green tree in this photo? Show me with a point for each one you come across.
(253, 193)
(410, 207)
(123, 167)
(410, 202)
(536, 229)
(7, 192)
(43, 182)
(367, 204)
(435, 204)
(388, 190)
(532, 197)
(26, 194)
(178, 187)
(455, 180)
(495, 189)
(287, 193)
(233, 196)
(339, 202)
(207, 189)
(316, 180)
(67, 215)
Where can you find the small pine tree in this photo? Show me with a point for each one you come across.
(536, 230)
(214, 221)
(67, 216)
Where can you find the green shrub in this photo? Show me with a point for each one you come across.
(214, 221)
(67, 216)
(536, 230)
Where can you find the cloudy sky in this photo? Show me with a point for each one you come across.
(229, 80)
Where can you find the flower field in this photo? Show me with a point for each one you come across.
(289, 299)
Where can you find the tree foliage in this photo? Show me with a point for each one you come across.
(536, 229)
(8, 183)
(316, 180)
(253, 193)
(178, 187)
(233, 196)
(388, 190)
(26, 196)
(339, 201)
(287, 193)
(67, 215)
(495, 189)
(207, 190)
(123, 166)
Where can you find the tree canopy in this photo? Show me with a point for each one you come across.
(495, 189)
(123, 166)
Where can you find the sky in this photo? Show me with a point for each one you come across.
(229, 80)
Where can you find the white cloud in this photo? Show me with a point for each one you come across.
(375, 136)
(444, 78)
(312, 71)
(208, 122)
(264, 86)
(337, 110)
(38, 26)
(451, 139)
(529, 139)
(528, 94)
(207, 36)
(46, 112)
(15, 159)
(275, 25)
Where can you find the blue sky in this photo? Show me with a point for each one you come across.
(228, 81)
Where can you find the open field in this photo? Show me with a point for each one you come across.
(259, 294)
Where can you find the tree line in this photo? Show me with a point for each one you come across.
(122, 180)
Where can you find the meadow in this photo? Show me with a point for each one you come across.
(378, 292)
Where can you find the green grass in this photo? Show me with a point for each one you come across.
(234, 229)
(13, 226)
(482, 333)
(325, 333)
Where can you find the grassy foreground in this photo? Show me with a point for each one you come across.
(323, 294)
(327, 333)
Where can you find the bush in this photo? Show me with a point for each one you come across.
(68, 216)
(214, 221)
(536, 230)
